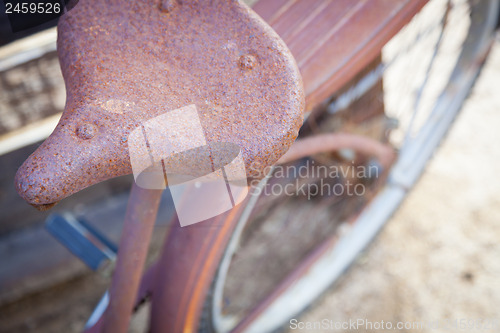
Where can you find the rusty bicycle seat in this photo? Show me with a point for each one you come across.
(125, 62)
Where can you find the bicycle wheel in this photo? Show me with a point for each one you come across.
(289, 247)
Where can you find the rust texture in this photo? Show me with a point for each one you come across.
(185, 269)
(137, 229)
(126, 62)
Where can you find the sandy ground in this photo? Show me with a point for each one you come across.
(438, 259)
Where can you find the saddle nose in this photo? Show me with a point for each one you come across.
(125, 63)
(85, 148)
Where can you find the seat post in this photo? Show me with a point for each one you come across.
(134, 243)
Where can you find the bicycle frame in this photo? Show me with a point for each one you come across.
(181, 278)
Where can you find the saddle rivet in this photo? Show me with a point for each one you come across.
(247, 61)
(166, 5)
(86, 131)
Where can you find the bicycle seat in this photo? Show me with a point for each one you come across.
(125, 62)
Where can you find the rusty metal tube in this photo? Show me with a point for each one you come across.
(136, 234)
(335, 141)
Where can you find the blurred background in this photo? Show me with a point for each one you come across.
(437, 258)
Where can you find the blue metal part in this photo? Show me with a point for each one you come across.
(81, 239)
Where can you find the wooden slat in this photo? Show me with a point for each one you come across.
(334, 40)
(299, 15)
(324, 24)
(271, 10)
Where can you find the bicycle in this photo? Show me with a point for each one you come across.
(187, 295)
